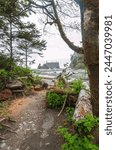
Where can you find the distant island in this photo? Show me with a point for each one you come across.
(49, 65)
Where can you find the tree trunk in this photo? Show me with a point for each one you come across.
(26, 58)
(11, 50)
(90, 31)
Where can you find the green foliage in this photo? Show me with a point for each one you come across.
(26, 82)
(77, 61)
(76, 142)
(86, 124)
(16, 72)
(82, 139)
(69, 113)
(55, 100)
(37, 80)
(3, 78)
(20, 72)
(1, 105)
(31, 81)
(30, 43)
(76, 86)
(5, 62)
(60, 82)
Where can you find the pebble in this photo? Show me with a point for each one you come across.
(47, 143)
(3, 145)
(24, 123)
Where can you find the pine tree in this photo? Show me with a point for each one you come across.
(29, 43)
(11, 12)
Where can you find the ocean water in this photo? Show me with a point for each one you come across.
(50, 74)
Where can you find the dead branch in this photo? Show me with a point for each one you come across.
(2, 119)
(63, 105)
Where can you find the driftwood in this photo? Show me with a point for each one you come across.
(83, 105)
(11, 120)
(71, 98)
(16, 84)
(62, 91)
(2, 119)
(63, 105)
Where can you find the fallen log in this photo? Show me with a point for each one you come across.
(71, 98)
(62, 91)
(83, 105)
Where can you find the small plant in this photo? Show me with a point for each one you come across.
(86, 124)
(76, 86)
(55, 100)
(27, 82)
(69, 113)
(61, 83)
(37, 80)
(3, 78)
(76, 142)
(1, 105)
(18, 71)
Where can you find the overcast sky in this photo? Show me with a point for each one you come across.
(57, 49)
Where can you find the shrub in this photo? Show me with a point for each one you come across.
(76, 86)
(82, 139)
(26, 82)
(55, 100)
(37, 80)
(86, 124)
(61, 83)
(6, 63)
(69, 113)
(18, 71)
(3, 78)
(76, 142)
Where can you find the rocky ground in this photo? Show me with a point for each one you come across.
(35, 127)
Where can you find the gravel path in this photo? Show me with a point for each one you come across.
(35, 127)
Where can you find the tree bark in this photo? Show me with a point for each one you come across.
(11, 49)
(90, 31)
(83, 104)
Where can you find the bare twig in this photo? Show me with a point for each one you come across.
(2, 119)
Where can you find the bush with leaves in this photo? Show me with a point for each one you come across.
(19, 71)
(31, 81)
(4, 76)
(55, 100)
(37, 80)
(69, 113)
(82, 139)
(61, 83)
(76, 86)
(6, 63)
(87, 124)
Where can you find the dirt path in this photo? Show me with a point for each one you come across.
(35, 127)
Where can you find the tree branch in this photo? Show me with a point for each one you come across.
(56, 20)
(62, 33)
